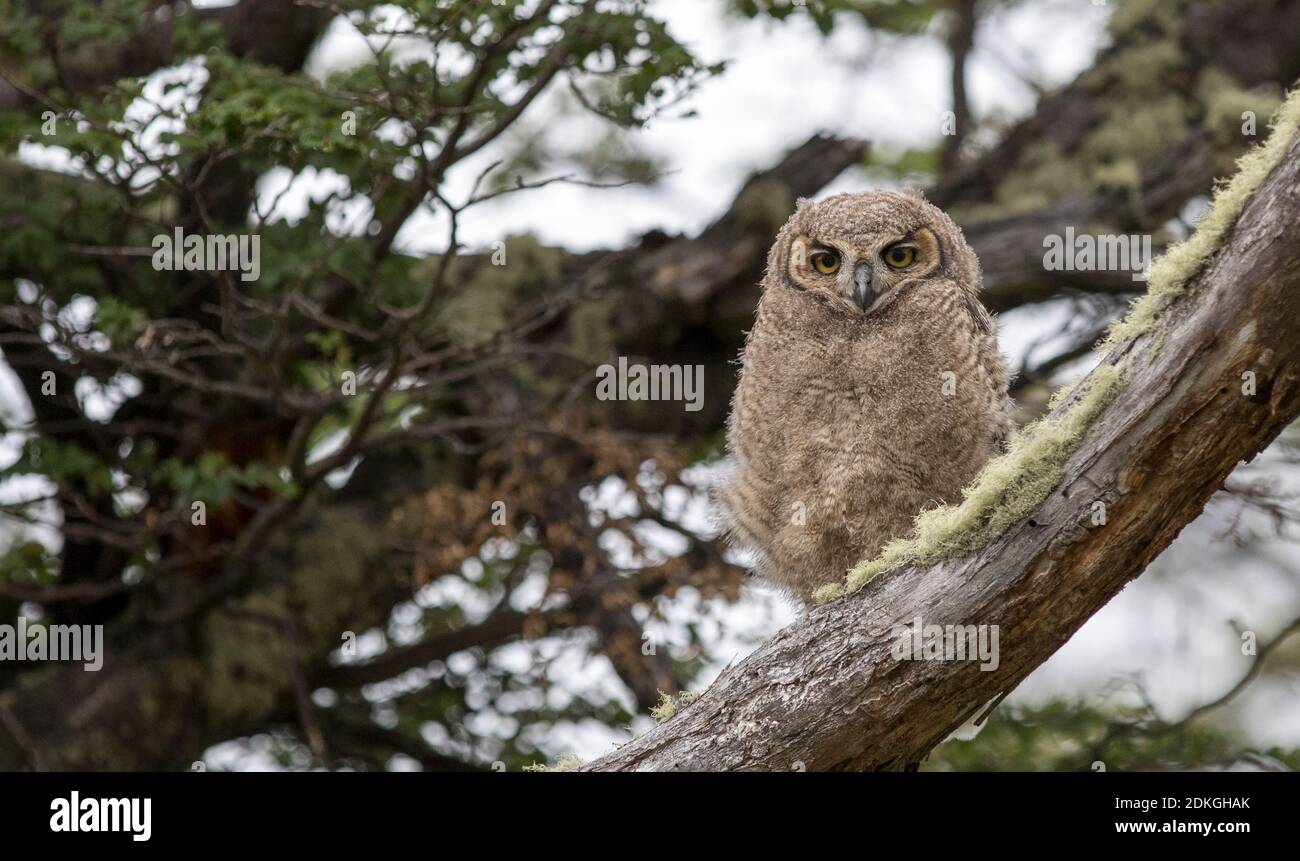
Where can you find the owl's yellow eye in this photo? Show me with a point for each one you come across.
(826, 262)
(899, 256)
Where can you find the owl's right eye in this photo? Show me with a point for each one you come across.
(826, 262)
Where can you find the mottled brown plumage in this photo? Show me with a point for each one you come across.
(868, 391)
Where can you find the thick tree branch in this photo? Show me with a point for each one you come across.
(961, 41)
(827, 694)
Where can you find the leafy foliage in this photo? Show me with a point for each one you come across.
(1061, 736)
(259, 398)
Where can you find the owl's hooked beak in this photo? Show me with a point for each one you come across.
(862, 285)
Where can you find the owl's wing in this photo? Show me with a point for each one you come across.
(978, 313)
(994, 367)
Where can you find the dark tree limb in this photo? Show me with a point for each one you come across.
(826, 694)
(961, 41)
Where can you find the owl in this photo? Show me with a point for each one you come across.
(871, 387)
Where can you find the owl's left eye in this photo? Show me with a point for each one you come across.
(826, 262)
(899, 256)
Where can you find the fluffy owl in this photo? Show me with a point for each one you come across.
(871, 387)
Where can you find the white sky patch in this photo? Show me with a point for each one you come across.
(784, 81)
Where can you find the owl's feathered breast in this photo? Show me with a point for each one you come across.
(822, 384)
(857, 422)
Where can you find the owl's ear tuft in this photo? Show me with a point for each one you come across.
(800, 203)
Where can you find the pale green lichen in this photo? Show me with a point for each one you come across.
(1225, 101)
(764, 204)
(1060, 395)
(1134, 109)
(1152, 14)
(666, 709)
(1014, 484)
(1043, 173)
(485, 291)
(567, 762)
(1170, 274)
(1117, 138)
(669, 705)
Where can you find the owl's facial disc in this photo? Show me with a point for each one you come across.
(865, 272)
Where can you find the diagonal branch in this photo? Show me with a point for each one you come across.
(826, 692)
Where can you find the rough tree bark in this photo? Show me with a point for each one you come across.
(825, 694)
